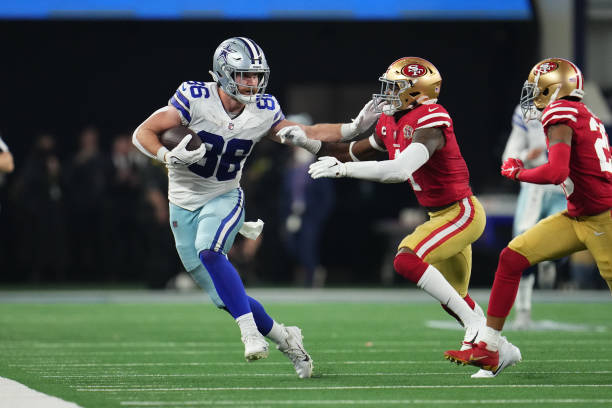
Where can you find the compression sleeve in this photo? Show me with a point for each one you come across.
(390, 171)
(553, 172)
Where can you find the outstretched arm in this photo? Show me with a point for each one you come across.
(425, 142)
(335, 132)
(557, 168)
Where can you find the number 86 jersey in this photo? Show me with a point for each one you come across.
(589, 186)
(229, 141)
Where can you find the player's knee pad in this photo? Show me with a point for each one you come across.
(511, 265)
(410, 266)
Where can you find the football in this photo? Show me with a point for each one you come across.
(173, 136)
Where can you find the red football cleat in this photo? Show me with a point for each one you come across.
(477, 356)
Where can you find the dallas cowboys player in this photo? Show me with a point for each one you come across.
(230, 115)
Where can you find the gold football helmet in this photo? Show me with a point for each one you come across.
(408, 82)
(548, 81)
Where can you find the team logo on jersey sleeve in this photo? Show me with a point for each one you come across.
(408, 131)
(547, 67)
(414, 70)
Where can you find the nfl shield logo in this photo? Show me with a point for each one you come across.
(230, 126)
(174, 224)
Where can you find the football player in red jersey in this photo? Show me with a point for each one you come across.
(578, 159)
(418, 135)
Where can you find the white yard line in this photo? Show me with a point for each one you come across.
(270, 363)
(406, 402)
(17, 395)
(415, 374)
(348, 387)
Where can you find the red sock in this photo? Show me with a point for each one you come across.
(507, 277)
(410, 266)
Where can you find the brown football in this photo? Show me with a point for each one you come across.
(173, 136)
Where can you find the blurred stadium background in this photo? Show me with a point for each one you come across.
(82, 207)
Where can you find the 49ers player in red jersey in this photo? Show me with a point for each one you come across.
(418, 135)
(578, 159)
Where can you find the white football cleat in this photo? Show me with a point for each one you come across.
(293, 348)
(509, 355)
(255, 347)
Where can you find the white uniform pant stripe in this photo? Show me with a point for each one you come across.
(229, 224)
(467, 213)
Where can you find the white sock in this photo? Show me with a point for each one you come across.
(277, 333)
(524, 293)
(246, 323)
(490, 336)
(434, 283)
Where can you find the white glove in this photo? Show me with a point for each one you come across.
(296, 136)
(180, 156)
(327, 166)
(366, 118)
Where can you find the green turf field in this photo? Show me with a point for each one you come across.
(366, 355)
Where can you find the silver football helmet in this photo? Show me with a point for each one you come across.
(235, 58)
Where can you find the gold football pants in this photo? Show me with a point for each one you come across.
(560, 235)
(445, 241)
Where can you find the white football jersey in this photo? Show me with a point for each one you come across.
(230, 141)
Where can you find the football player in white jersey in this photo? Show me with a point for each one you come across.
(230, 115)
(535, 202)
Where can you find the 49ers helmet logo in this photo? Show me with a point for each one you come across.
(547, 67)
(414, 70)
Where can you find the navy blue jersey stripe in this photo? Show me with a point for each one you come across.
(181, 109)
(183, 99)
(248, 46)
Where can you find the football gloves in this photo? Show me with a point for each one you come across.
(327, 166)
(366, 118)
(296, 136)
(180, 156)
(511, 168)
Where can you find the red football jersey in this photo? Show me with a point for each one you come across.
(589, 186)
(445, 177)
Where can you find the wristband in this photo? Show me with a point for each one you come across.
(161, 154)
(375, 145)
(347, 130)
(313, 146)
(353, 157)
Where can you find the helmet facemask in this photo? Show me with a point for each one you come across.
(529, 92)
(394, 95)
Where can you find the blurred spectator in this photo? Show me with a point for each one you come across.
(6, 162)
(6, 158)
(6, 166)
(87, 180)
(40, 194)
(306, 206)
(125, 198)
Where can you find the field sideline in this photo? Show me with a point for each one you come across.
(372, 348)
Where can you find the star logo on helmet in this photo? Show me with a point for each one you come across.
(225, 51)
(547, 67)
(414, 70)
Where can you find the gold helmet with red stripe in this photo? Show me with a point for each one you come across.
(408, 82)
(548, 81)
